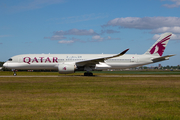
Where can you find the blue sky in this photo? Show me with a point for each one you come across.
(87, 26)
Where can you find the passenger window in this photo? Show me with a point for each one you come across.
(10, 59)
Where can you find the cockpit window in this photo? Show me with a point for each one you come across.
(10, 59)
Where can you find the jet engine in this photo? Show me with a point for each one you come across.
(66, 68)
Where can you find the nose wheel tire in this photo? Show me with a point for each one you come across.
(14, 72)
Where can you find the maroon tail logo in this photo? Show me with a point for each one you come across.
(160, 46)
(64, 68)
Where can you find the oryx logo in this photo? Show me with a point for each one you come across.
(64, 68)
(160, 46)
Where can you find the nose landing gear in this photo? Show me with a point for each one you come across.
(14, 72)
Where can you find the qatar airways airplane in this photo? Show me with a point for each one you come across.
(69, 63)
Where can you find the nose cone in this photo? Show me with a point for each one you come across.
(5, 65)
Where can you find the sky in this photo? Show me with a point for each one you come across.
(88, 27)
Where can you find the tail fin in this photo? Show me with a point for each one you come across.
(159, 46)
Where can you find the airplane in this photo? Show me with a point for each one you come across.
(69, 63)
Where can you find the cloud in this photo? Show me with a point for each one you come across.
(156, 36)
(166, 29)
(173, 37)
(66, 41)
(110, 38)
(176, 4)
(73, 40)
(55, 37)
(145, 22)
(98, 38)
(60, 35)
(76, 32)
(109, 31)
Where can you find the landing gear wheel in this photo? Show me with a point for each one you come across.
(14, 72)
(88, 74)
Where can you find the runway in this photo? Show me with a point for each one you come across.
(99, 76)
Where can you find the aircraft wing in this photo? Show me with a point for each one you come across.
(101, 59)
(162, 58)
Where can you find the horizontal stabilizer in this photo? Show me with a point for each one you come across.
(162, 58)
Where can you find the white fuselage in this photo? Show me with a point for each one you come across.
(68, 63)
(51, 61)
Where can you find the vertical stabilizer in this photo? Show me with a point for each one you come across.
(160, 45)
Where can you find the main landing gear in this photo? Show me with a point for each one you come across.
(88, 74)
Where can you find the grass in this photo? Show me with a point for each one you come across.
(90, 98)
(143, 72)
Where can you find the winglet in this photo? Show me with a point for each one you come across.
(120, 54)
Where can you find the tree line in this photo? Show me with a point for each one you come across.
(1, 64)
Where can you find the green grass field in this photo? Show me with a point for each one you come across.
(90, 98)
(149, 72)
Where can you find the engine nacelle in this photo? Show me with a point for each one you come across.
(66, 68)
